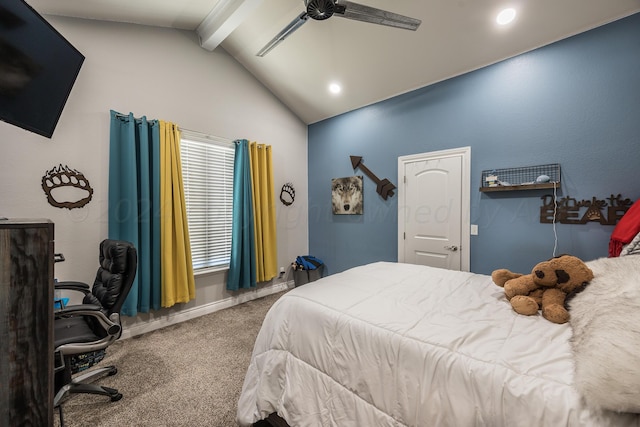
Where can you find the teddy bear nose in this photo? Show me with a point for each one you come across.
(540, 274)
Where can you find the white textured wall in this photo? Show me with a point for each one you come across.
(163, 74)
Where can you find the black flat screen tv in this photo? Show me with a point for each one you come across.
(38, 68)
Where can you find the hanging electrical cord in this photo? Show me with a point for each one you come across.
(555, 210)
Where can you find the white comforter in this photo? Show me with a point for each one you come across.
(391, 344)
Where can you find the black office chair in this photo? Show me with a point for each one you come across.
(83, 332)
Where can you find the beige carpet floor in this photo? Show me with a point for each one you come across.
(189, 374)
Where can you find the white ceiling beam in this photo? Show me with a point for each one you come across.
(225, 17)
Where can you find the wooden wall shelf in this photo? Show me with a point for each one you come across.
(521, 178)
(520, 187)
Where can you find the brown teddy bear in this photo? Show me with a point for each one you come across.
(545, 288)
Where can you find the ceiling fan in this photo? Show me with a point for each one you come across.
(325, 9)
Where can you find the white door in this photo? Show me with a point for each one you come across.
(433, 209)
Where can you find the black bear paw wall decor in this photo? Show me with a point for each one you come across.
(71, 187)
(287, 194)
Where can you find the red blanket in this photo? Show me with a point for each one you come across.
(626, 230)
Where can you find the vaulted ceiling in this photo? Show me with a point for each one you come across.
(370, 62)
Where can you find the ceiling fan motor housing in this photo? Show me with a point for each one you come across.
(320, 9)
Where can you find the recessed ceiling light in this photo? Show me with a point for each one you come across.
(335, 88)
(506, 16)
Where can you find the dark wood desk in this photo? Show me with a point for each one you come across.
(26, 322)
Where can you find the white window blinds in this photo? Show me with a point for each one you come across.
(207, 171)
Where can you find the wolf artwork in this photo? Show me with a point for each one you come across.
(346, 195)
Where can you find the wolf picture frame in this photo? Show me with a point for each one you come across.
(347, 195)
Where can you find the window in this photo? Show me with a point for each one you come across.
(207, 172)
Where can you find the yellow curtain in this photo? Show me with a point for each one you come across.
(264, 212)
(178, 283)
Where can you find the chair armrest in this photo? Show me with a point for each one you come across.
(80, 310)
(72, 286)
(111, 326)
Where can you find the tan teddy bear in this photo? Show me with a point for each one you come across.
(545, 288)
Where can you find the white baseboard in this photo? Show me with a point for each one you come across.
(192, 313)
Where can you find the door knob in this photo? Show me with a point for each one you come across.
(452, 248)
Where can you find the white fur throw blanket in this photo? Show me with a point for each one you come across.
(605, 318)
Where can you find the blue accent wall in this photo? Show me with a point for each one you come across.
(575, 102)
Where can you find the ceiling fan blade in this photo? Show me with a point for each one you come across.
(286, 32)
(360, 12)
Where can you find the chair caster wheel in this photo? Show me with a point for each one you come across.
(112, 372)
(116, 397)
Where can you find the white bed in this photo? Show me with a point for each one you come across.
(389, 344)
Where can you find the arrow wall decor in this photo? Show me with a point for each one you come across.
(384, 187)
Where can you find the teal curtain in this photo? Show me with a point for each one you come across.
(134, 203)
(242, 266)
